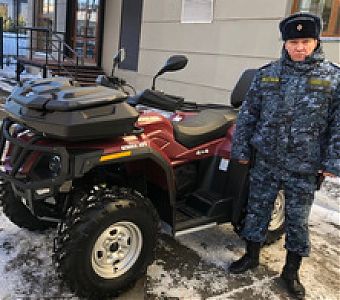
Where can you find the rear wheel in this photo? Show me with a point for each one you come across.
(277, 223)
(106, 241)
(18, 213)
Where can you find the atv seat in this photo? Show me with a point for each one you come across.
(206, 126)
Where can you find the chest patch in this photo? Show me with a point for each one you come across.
(318, 84)
(269, 79)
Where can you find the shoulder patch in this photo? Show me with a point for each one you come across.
(266, 66)
(334, 65)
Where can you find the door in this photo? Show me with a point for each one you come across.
(87, 29)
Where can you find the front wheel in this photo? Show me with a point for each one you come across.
(18, 213)
(106, 241)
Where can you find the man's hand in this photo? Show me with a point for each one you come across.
(243, 162)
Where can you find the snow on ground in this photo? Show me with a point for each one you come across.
(8, 75)
(192, 267)
(216, 248)
(25, 263)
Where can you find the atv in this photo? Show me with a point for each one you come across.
(106, 169)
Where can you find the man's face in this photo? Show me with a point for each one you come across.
(299, 49)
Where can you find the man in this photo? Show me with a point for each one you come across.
(291, 119)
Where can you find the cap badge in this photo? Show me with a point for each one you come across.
(299, 27)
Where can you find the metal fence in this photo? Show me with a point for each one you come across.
(10, 45)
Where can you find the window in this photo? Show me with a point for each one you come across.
(3, 10)
(13, 14)
(86, 26)
(48, 7)
(329, 10)
(46, 13)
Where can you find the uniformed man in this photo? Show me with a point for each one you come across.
(291, 119)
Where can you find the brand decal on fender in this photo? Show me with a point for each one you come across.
(203, 151)
(133, 146)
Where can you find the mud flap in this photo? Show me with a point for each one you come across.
(240, 190)
(239, 187)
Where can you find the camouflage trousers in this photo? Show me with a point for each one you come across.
(265, 182)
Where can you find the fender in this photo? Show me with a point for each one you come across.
(145, 153)
(149, 153)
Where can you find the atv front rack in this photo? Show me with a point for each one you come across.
(24, 162)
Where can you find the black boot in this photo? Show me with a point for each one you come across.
(291, 277)
(248, 261)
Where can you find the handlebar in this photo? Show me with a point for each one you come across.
(117, 83)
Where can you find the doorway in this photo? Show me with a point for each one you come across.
(86, 28)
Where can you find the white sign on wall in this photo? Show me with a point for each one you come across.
(197, 11)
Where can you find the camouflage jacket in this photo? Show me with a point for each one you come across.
(291, 115)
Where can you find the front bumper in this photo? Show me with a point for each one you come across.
(22, 162)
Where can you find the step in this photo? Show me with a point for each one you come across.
(208, 203)
(87, 77)
(78, 71)
(193, 226)
(74, 69)
(190, 220)
(71, 64)
(207, 197)
(86, 83)
(181, 216)
(202, 200)
(185, 224)
(190, 212)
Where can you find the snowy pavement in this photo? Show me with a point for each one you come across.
(8, 75)
(196, 267)
(192, 267)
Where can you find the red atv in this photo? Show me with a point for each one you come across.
(107, 168)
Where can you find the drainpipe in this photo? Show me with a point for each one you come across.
(2, 42)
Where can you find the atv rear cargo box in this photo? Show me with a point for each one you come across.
(60, 110)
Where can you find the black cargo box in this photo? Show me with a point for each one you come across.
(60, 110)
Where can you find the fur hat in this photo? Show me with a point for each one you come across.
(300, 25)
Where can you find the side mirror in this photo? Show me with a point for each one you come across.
(174, 63)
(119, 58)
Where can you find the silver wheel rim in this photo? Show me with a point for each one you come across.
(278, 214)
(116, 249)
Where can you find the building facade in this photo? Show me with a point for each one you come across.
(221, 38)
(242, 34)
